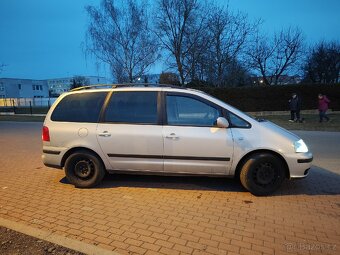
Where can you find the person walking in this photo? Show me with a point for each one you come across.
(295, 107)
(323, 107)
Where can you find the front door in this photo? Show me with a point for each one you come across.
(192, 141)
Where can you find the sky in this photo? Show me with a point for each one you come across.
(43, 39)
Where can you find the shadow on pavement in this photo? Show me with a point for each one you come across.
(319, 182)
(174, 182)
(169, 182)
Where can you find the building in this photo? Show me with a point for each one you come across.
(58, 86)
(23, 88)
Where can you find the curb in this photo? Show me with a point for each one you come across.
(56, 239)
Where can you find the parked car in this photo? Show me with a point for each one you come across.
(167, 130)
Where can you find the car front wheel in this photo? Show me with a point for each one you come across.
(84, 169)
(262, 174)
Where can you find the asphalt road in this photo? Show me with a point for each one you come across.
(325, 147)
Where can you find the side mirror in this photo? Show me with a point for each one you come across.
(222, 122)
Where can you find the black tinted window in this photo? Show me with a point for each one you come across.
(237, 121)
(188, 111)
(83, 107)
(132, 107)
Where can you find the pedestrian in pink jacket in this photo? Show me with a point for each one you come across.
(323, 107)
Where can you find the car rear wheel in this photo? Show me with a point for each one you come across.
(262, 174)
(84, 169)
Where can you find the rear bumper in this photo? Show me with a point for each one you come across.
(51, 160)
(53, 166)
(52, 156)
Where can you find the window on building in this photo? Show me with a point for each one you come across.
(19, 86)
(37, 87)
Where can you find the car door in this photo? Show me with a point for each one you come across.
(130, 134)
(192, 141)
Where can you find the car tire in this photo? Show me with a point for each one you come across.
(262, 174)
(84, 169)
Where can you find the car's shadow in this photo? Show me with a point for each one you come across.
(169, 182)
(173, 182)
(319, 182)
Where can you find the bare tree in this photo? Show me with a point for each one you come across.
(2, 66)
(79, 81)
(180, 25)
(276, 57)
(119, 34)
(229, 34)
(323, 63)
(169, 78)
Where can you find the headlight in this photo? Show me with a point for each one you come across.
(300, 146)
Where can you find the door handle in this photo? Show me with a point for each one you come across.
(105, 134)
(172, 136)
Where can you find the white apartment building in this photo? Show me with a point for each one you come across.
(58, 86)
(23, 88)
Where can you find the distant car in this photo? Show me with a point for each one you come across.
(167, 130)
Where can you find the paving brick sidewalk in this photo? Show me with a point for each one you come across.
(167, 215)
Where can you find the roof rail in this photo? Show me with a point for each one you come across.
(127, 85)
(92, 87)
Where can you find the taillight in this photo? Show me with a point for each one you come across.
(45, 134)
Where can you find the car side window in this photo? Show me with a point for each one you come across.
(79, 107)
(132, 107)
(188, 111)
(236, 121)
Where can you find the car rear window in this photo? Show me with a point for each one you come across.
(80, 107)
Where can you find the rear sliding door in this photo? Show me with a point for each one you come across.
(130, 134)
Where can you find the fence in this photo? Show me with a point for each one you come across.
(25, 105)
(27, 102)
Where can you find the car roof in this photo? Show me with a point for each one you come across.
(131, 87)
(127, 85)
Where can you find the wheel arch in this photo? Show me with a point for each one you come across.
(249, 154)
(75, 149)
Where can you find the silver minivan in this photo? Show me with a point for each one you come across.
(167, 130)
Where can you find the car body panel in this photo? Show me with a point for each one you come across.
(131, 147)
(187, 151)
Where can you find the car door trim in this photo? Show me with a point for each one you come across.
(168, 157)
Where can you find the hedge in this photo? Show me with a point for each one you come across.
(275, 98)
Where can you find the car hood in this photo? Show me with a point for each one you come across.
(273, 128)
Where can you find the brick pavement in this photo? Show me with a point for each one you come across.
(167, 215)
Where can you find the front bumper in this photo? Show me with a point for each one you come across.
(299, 164)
